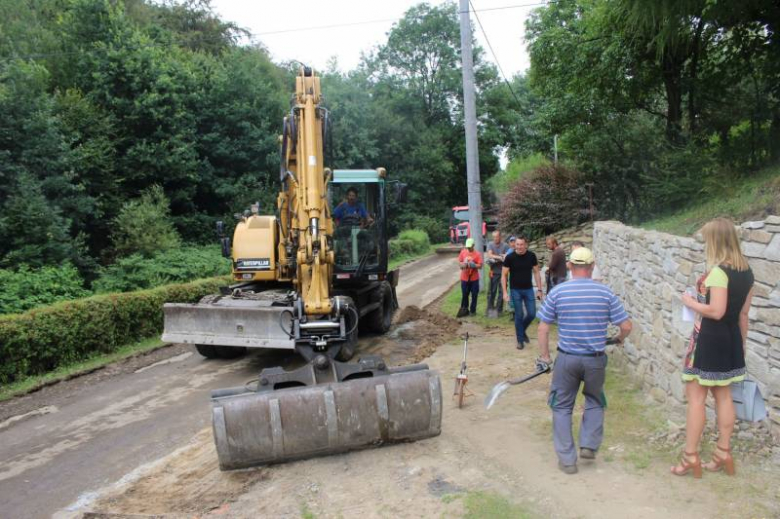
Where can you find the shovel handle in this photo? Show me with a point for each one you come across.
(526, 378)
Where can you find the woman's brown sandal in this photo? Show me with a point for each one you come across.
(721, 460)
(689, 462)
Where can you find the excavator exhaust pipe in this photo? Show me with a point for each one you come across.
(275, 426)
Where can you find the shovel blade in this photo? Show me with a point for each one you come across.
(496, 392)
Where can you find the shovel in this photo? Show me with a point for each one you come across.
(501, 387)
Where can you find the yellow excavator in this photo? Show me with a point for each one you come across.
(308, 278)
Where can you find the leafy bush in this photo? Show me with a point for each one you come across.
(136, 272)
(144, 225)
(41, 340)
(437, 229)
(410, 241)
(549, 199)
(516, 170)
(27, 288)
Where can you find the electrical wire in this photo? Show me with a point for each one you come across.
(498, 63)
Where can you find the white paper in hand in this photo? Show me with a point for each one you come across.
(688, 315)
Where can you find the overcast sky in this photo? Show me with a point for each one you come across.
(295, 30)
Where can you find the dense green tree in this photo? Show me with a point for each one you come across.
(143, 226)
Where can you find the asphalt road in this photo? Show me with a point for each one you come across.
(84, 434)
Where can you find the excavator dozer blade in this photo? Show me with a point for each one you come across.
(229, 322)
(262, 428)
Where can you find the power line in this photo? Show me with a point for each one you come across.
(498, 63)
(385, 20)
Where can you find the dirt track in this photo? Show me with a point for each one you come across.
(504, 452)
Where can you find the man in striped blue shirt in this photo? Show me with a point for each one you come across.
(583, 308)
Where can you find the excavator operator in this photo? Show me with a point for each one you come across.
(351, 211)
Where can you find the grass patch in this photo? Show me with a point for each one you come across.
(32, 383)
(451, 303)
(740, 199)
(487, 505)
(306, 513)
(396, 262)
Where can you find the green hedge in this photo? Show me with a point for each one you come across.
(41, 340)
(24, 288)
(180, 265)
(409, 242)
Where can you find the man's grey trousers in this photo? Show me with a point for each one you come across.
(569, 371)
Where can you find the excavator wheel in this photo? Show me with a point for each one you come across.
(230, 352)
(381, 319)
(207, 350)
(220, 352)
(349, 346)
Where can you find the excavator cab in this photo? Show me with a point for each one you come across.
(360, 216)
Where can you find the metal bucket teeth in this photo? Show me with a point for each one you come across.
(287, 424)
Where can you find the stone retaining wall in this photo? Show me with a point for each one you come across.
(649, 270)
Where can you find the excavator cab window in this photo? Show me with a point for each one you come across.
(359, 221)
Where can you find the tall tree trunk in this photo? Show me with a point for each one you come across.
(696, 50)
(671, 72)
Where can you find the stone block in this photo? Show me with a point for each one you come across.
(753, 249)
(758, 337)
(752, 225)
(761, 290)
(774, 348)
(658, 394)
(761, 350)
(768, 316)
(677, 388)
(773, 220)
(760, 236)
(767, 272)
(772, 251)
(774, 331)
(685, 267)
(670, 266)
(762, 302)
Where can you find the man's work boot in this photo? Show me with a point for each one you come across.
(463, 312)
(587, 454)
(526, 339)
(567, 469)
(520, 345)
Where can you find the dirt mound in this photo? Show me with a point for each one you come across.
(412, 313)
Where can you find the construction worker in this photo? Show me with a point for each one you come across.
(470, 262)
(582, 308)
(496, 250)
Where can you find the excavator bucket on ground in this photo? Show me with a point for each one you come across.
(266, 426)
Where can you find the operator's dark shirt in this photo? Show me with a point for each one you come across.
(520, 269)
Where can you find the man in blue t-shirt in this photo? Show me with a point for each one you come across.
(583, 308)
(351, 207)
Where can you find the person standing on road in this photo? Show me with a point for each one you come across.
(716, 353)
(470, 262)
(556, 270)
(519, 266)
(496, 250)
(582, 308)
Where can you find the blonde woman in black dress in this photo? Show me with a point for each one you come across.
(716, 353)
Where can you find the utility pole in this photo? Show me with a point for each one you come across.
(470, 113)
